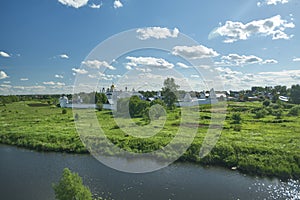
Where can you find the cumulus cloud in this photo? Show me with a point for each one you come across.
(96, 64)
(241, 60)
(157, 33)
(271, 2)
(74, 3)
(24, 79)
(4, 54)
(79, 71)
(59, 76)
(118, 4)
(296, 59)
(3, 75)
(182, 65)
(95, 6)
(64, 56)
(146, 62)
(194, 52)
(234, 31)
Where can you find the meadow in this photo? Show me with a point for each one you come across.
(261, 145)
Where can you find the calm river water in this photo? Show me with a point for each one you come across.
(28, 175)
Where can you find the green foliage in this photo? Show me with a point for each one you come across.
(99, 106)
(295, 94)
(263, 147)
(169, 92)
(236, 117)
(294, 111)
(278, 113)
(70, 187)
(63, 111)
(266, 103)
(261, 113)
(137, 107)
(100, 98)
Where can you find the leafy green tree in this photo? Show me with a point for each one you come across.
(100, 98)
(70, 187)
(295, 94)
(137, 107)
(169, 91)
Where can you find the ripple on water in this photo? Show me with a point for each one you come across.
(281, 190)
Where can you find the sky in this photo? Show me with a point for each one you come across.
(54, 46)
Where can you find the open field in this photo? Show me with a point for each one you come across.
(267, 146)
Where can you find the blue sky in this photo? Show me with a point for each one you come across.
(44, 44)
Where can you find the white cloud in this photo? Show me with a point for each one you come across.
(24, 79)
(182, 65)
(49, 83)
(234, 31)
(4, 54)
(157, 33)
(95, 6)
(271, 2)
(74, 3)
(59, 76)
(194, 52)
(148, 62)
(64, 56)
(296, 59)
(270, 61)
(54, 83)
(96, 64)
(3, 75)
(241, 60)
(195, 76)
(6, 82)
(79, 71)
(118, 4)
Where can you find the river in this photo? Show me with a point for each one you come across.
(28, 175)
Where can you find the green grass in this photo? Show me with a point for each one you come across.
(267, 146)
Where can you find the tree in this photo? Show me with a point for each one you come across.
(70, 187)
(169, 91)
(295, 94)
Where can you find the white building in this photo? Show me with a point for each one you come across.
(63, 101)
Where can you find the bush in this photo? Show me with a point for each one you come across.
(260, 114)
(236, 117)
(237, 128)
(266, 103)
(63, 111)
(71, 187)
(278, 113)
(294, 111)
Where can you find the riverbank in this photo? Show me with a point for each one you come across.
(268, 146)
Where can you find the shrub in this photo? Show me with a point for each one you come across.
(237, 128)
(260, 114)
(266, 103)
(63, 111)
(236, 117)
(70, 187)
(278, 113)
(294, 111)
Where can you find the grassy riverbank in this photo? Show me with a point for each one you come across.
(267, 146)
